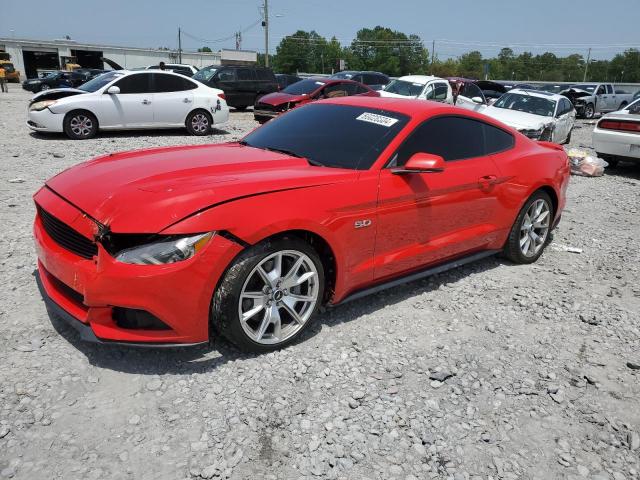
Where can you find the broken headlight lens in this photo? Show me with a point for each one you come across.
(534, 134)
(166, 250)
(37, 106)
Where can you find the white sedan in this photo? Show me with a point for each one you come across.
(122, 100)
(424, 87)
(617, 135)
(539, 115)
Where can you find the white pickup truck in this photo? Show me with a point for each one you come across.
(591, 98)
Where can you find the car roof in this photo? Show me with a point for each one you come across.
(419, 78)
(537, 93)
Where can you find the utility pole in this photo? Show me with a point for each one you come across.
(586, 67)
(265, 24)
(179, 46)
(238, 40)
(433, 55)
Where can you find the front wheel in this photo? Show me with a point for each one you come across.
(80, 125)
(568, 139)
(530, 232)
(199, 123)
(269, 295)
(589, 111)
(44, 87)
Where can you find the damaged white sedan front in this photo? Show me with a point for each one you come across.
(538, 115)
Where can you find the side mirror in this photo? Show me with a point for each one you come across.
(113, 90)
(477, 100)
(421, 163)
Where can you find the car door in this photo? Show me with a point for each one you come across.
(132, 107)
(471, 98)
(172, 99)
(225, 80)
(247, 86)
(604, 102)
(425, 218)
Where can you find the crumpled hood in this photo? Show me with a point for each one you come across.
(56, 93)
(145, 191)
(518, 120)
(278, 98)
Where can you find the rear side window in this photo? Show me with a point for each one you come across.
(227, 75)
(454, 138)
(263, 74)
(245, 74)
(138, 83)
(171, 83)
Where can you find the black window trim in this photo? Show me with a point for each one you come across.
(392, 158)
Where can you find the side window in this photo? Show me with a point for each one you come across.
(471, 90)
(370, 79)
(360, 90)
(568, 105)
(381, 80)
(350, 88)
(441, 136)
(170, 83)
(335, 90)
(609, 88)
(358, 78)
(496, 140)
(441, 90)
(245, 74)
(429, 92)
(601, 90)
(137, 83)
(227, 75)
(262, 74)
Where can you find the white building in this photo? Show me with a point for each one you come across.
(29, 56)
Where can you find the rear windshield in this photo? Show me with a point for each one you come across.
(340, 136)
(303, 87)
(402, 87)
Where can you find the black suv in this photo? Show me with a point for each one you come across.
(61, 79)
(242, 85)
(375, 80)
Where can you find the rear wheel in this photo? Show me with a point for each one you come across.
(568, 139)
(44, 87)
(80, 125)
(199, 123)
(530, 232)
(622, 105)
(269, 295)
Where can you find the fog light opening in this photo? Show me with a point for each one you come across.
(132, 319)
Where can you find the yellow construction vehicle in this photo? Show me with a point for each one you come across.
(70, 63)
(10, 72)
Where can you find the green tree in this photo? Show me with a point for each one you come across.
(471, 65)
(388, 51)
(204, 49)
(306, 52)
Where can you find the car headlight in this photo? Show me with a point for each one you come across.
(165, 250)
(531, 133)
(37, 106)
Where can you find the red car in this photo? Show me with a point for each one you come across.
(305, 91)
(326, 203)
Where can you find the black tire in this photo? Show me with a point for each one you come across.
(199, 123)
(622, 105)
(589, 111)
(80, 125)
(44, 87)
(612, 161)
(225, 315)
(512, 249)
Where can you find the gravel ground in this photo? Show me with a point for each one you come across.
(490, 371)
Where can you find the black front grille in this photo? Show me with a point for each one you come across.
(67, 237)
(67, 291)
(270, 108)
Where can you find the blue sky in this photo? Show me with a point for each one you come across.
(537, 26)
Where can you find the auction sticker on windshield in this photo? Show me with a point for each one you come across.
(377, 119)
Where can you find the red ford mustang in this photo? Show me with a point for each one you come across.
(327, 203)
(305, 91)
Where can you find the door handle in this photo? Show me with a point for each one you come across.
(186, 100)
(487, 181)
(146, 102)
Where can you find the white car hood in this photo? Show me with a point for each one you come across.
(518, 120)
(394, 95)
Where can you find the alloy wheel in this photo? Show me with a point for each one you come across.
(278, 297)
(81, 125)
(535, 228)
(200, 123)
(44, 87)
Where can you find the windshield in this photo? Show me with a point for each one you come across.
(527, 104)
(402, 87)
(588, 88)
(303, 87)
(100, 81)
(205, 74)
(340, 136)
